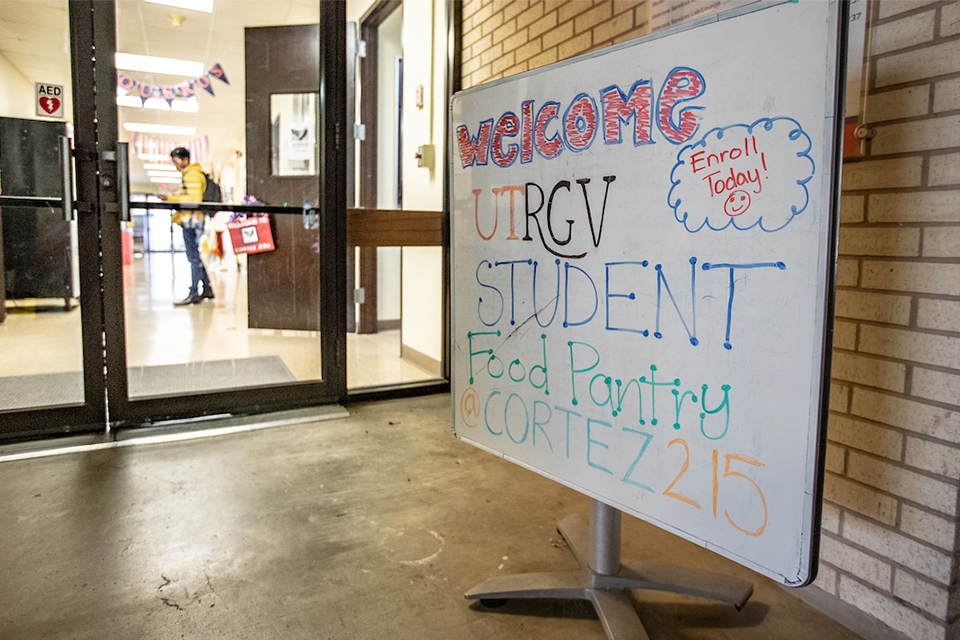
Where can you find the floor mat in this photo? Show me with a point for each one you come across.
(52, 389)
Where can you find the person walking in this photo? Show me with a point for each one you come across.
(194, 183)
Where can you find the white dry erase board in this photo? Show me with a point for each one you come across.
(642, 290)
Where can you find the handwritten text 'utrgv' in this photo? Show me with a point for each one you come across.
(563, 196)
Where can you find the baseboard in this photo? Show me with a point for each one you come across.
(388, 325)
(425, 362)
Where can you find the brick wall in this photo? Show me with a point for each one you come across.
(504, 37)
(890, 544)
(894, 455)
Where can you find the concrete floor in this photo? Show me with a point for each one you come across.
(368, 527)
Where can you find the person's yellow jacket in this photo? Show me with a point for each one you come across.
(191, 190)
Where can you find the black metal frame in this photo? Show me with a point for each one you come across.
(99, 211)
(454, 83)
(836, 162)
(90, 416)
(453, 80)
(332, 386)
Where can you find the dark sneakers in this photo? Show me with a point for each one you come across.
(194, 298)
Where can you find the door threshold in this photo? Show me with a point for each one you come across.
(172, 431)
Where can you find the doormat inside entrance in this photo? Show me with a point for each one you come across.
(53, 389)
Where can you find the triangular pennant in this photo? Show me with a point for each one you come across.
(186, 90)
(217, 72)
(204, 83)
(168, 94)
(145, 92)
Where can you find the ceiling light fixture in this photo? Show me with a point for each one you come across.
(205, 6)
(182, 106)
(153, 156)
(153, 64)
(143, 127)
(165, 180)
(159, 167)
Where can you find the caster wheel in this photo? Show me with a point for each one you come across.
(493, 603)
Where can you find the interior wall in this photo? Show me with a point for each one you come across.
(388, 284)
(422, 313)
(390, 49)
(388, 258)
(890, 512)
(424, 73)
(16, 99)
(425, 62)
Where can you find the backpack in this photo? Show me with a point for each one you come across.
(211, 193)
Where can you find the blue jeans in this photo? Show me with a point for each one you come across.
(197, 271)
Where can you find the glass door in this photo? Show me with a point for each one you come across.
(51, 353)
(223, 299)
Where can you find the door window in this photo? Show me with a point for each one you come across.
(41, 353)
(228, 300)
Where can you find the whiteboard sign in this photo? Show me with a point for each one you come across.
(642, 245)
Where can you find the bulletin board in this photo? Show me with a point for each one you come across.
(643, 256)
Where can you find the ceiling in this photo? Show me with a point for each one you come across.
(34, 38)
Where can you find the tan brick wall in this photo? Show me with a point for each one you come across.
(890, 542)
(892, 489)
(505, 37)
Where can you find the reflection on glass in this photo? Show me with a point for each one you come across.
(41, 358)
(294, 121)
(244, 118)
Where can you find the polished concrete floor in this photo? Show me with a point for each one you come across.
(371, 526)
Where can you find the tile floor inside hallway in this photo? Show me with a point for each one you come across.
(39, 338)
(371, 526)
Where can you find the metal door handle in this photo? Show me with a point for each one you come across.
(66, 179)
(123, 178)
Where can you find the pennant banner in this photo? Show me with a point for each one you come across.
(199, 148)
(169, 93)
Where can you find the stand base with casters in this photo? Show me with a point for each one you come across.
(603, 579)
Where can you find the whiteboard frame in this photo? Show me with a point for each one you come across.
(833, 149)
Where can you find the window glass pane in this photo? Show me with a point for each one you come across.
(41, 357)
(294, 122)
(221, 301)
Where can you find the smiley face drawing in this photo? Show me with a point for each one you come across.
(736, 203)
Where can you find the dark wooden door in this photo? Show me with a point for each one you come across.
(284, 284)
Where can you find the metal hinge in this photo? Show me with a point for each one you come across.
(361, 48)
(359, 131)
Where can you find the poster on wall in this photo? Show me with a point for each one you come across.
(643, 251)
(300, 142)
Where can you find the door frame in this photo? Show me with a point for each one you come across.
(90, 415)
(332, 387)
(106, 404)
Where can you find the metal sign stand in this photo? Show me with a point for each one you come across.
(603, 578)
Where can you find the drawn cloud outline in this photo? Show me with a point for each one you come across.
(768, 124)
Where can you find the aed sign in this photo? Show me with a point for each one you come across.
(49, 100)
